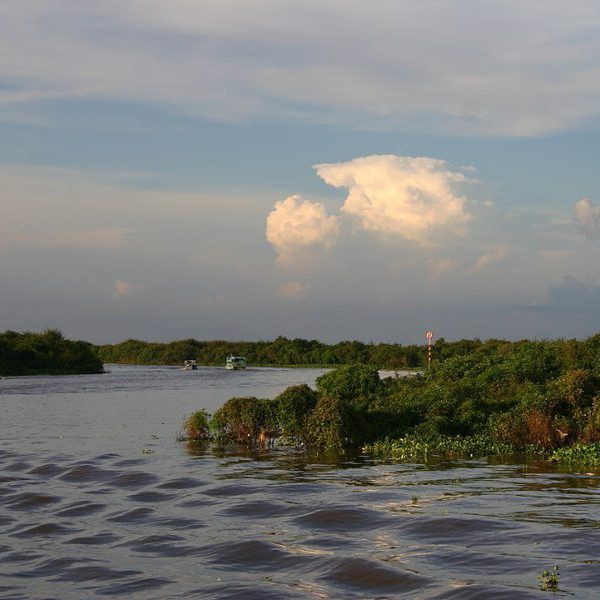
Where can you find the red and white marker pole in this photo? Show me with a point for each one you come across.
(429, 336)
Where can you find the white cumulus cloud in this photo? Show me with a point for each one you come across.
(413, 197)
(587, 216)
(296, 223)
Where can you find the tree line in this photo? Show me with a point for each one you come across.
(46, 353)
(283, 352)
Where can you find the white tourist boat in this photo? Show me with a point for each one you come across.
(235, 362)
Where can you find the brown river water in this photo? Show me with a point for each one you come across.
(99, 499)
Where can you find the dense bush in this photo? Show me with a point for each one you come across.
(349, 382)
(245, 420)
(45, 353)
(540, 395)
(196, 426)
(293, 407)
(334, 425)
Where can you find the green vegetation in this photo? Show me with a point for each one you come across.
(196, 426)
(47, 353)
(279, 352)
(578, 455)
(549, 579)
(413, 447)
(244, 420)
(537, 398)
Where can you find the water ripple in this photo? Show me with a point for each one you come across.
(29, 501)
(372, 578)
(343, 518)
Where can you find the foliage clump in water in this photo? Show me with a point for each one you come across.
(542, 398)
(244, 421)
(293, 408)
(578, 454)
(549, 579)
(196, 426)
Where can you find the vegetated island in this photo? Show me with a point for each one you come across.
(47, 353)
(281, 352)
(541, 399)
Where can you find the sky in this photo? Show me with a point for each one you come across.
(332, 170)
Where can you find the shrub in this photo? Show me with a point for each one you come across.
(196, 425)
(293, 407)
(350, 382)
(334, 425)
(245, 420)
(575, 388)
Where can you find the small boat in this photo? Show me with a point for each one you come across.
(189, 365)
(235, 362)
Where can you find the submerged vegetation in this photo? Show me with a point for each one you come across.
(47, 353)
(539, 398)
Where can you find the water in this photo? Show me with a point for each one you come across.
(98, 499)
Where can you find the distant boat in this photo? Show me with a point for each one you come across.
(235, 362)
(189, 365)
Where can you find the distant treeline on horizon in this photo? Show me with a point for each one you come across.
(300, 352)
(47, 353)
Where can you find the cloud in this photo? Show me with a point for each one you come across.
(401, 195)
(88, 239)
(125, 288)
(489, 258)
(293, 289)
(440, 268)
(587, 217)
(295, 223)
(508, 68)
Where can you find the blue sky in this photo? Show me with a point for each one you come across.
(331, 170)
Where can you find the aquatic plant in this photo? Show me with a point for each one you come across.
(334, 425)
(579, 454)
(502, 398)
(245, 421)
(549, 579)
(196, 426)
(293, 407)
(412, 447)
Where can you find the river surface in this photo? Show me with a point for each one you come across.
(99, 499)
